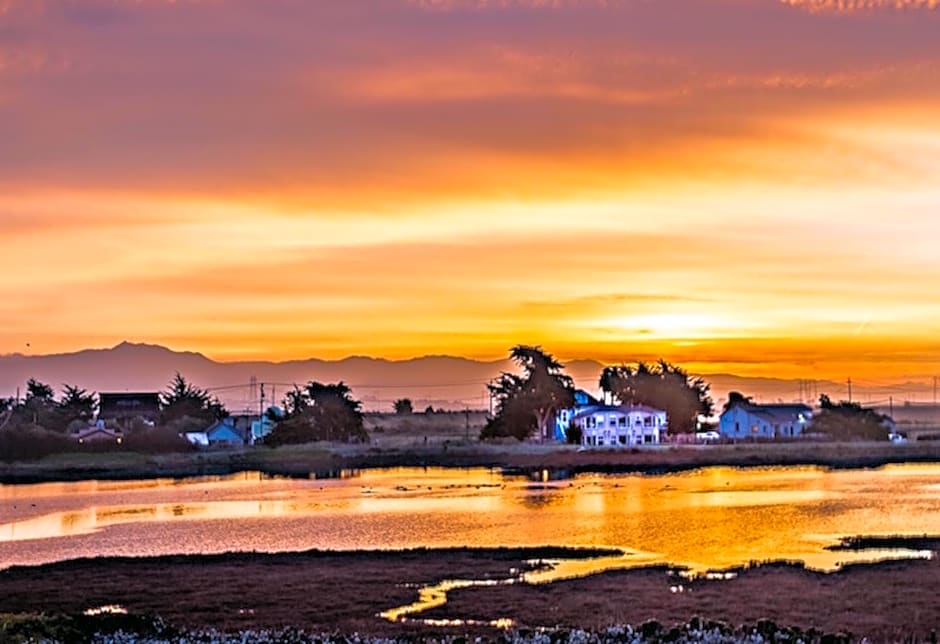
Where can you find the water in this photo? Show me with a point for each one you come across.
(710, 519)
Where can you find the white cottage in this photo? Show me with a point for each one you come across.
(620, 425)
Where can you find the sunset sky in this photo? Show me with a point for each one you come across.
(749, 186)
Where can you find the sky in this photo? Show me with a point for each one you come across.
(746, 186)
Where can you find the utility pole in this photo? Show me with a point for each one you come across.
(850, 389)
(891, 406)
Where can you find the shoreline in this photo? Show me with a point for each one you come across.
(320, 461)
(344, 592)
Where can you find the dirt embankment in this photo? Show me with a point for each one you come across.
(344, 592)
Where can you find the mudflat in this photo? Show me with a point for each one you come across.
(345, 592)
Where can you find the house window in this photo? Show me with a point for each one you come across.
(623, 421)
(648, 422)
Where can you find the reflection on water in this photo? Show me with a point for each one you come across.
(713, 519)
(110, 609)
(436, 595)
(551, 571)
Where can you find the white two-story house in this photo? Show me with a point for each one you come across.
(620, 425)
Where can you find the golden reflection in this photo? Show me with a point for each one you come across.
(110, 609)
(712, 519)
(436, 595)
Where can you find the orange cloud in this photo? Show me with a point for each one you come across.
(610, 179)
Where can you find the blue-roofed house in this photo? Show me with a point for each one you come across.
(261, 427)
(582, 400)
(744, 419)
(222, 433)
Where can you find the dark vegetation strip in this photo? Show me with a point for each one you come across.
(890, 542)
(501, 554)
(130, 629)
(301, 465)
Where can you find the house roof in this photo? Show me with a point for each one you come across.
(226, 425)
(620, 409)
(93, 431)
(776, 412)
(124, 405)
(581, 393)
(646, 409)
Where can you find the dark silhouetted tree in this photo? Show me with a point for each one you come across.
(737, 398)
(39, 406)
(7, 405)
(319, 412)
(36, 390)
(575, 434)
(662, 386)
(186, 406)
(527, 402)
(295, 402)
(849, 421)
(76, 404)
(403, 407)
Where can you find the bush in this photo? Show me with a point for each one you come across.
(31, 443)
(575, 434)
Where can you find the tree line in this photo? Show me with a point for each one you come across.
(316, 412)
(528, 401)
(183, 407)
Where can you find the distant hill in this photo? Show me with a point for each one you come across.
(441, 381)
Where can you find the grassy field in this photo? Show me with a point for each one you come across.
(414, 430)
